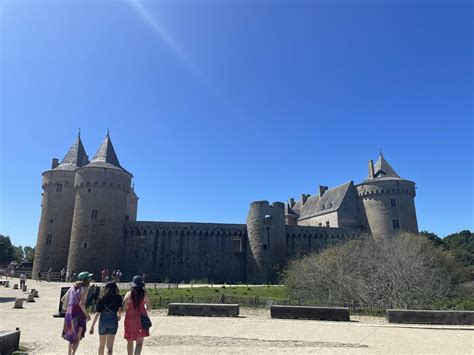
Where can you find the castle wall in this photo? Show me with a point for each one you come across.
(52, 246)
(301, 240)
(331, 217)
(186, 251)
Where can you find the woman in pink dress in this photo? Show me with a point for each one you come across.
(134, 303)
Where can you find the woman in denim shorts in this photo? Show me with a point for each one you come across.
(109, 308)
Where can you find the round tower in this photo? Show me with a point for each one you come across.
(387, 201)
(57, 209)
(100, 212)
(266, 252)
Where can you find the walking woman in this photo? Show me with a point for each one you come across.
(137, 322)
(109, 308)
(74, 301)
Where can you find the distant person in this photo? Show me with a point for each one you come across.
(68, 275)
(74, 302)
(61, 275)
(118, 276)
(103, 275)
(109, 308)
(50, 271)
(137, 323)
(22, 280)
(38, 276)
(114, 273)
(12, 273)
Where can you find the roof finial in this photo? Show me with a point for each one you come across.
(381, 153)
(108, 133)
(79, 133)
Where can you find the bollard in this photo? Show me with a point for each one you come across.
(15, 286)
(7, 283)
(35, 294)
(24, 288)
(31, 298)
(18, 303)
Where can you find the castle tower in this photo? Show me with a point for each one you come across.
(387, 201)
(57, 209)
(266, 252)
(100, 212)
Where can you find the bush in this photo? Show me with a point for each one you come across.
(403, 271)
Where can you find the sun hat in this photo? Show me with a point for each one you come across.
(137, 282)
(84, 275)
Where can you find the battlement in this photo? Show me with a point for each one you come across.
(185, 228)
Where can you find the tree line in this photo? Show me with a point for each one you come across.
(18, 253)
(403, 271)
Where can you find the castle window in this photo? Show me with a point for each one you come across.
(320, 224)
(89, 190)
(49, 239)
(94, 214)
(237, 245)
(395, 224)
(127, 217)
(59, 187)
(393, 203)
(327, 223)
(264, 247)
(51, 220)
(84, 245)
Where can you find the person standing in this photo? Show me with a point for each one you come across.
(109, 309)
(22, 280)
(61, 275)
(38, 277)
(102, 274)
(74, 302)
(50, 271)
(136, 303)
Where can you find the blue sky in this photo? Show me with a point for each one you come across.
(214, 104)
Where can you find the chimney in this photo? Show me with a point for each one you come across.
(371, 169)
(322, 189)
(55, 163)
(291, 202)
(304, 197)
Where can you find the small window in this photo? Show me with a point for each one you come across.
(127, 217)
(94, 214)
(327, 223)
(51, 220)
(84, 245)
(59, 187)
(264, 247)
(396, 224)
(393, 202)
(237, 245)
(89, 190)
(49, 239)
(320, 224)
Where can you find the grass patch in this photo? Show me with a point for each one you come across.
(166, 295)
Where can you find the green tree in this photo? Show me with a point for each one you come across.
(29, 254)
(7, 250)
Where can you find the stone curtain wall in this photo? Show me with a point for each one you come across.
(186, 251)
(302, 240)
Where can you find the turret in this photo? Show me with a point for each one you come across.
(100, 213)
(57, 209)
(387, 201)
(266, 252)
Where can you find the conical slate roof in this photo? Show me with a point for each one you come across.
(105, 156)
(382, 169)
(75, 157)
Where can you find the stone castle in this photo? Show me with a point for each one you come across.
(89, 221)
